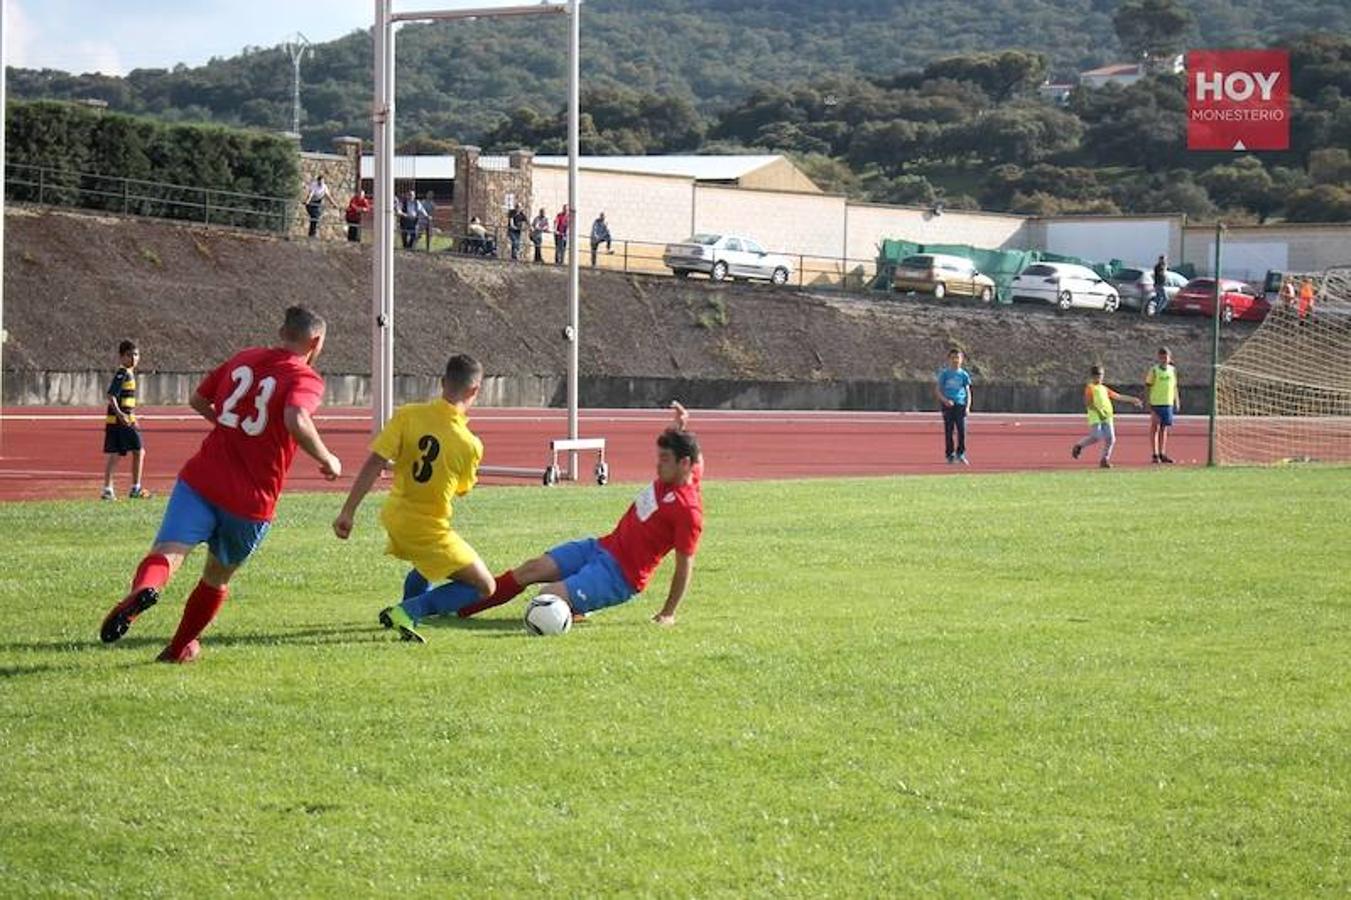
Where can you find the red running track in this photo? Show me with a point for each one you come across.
(56, 452)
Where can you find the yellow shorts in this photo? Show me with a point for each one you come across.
(436, 552)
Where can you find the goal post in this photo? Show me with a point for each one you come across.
(1284, 396)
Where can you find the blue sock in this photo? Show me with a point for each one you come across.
(414, 584)
(447, 598)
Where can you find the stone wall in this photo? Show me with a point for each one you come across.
(341, 173)
(487, 191)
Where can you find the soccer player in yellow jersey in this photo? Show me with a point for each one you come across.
(435, 458)
(1098, 399)
(1164, 401)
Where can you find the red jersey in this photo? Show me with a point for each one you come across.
(242, 464)
(662, 518)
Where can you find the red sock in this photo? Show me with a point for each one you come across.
(203, 604)
(507, 588)
(153, 572)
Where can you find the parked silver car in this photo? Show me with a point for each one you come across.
(1136, 287)
(723, 256)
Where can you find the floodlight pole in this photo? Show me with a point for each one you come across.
(382, 294)
(297, 46)
(3, 120)
(1215, 351)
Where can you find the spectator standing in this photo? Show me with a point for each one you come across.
(1306, 293)
(1160, 285)
(562, 223)
(517, 222)
(600, 234)
(538, 229)
(407, 211)
(316, 195)
(953, 389)
(1288, 295)
(1164, 401)
(357, 208)
(425, 220)
(1098, 399)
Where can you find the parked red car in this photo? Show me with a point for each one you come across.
(1239, 300)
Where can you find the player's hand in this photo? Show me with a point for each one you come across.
(342, 525)
(664, 618)
(331, 468)
(681, 415)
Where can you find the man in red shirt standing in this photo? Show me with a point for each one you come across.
(259, 403)
(592, 574)
(562, 232)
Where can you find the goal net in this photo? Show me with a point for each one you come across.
(1285, 394)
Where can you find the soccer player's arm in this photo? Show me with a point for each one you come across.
(384, 448)
(938, 392)
(686, 545)
(114, 395)
(970, 395)
(201, 401)
(303, 400)
(470, 477)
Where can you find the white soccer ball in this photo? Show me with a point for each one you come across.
(548, 614)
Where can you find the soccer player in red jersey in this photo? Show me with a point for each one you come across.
(592, 574)
(259, 403)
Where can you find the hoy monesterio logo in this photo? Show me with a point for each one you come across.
(1238, 100)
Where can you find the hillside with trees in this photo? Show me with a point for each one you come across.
(899, 102)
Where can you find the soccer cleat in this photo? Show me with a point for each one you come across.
(1155, 459)
(1165, 459)
(1076, 450)
(119, 620)
(139, 493)
(108, 494)
(1104, 464)
(962, 460)
(186, 655)
(395, 617)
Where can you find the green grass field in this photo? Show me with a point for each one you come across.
(1126, 683)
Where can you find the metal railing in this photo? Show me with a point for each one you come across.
(49, 186)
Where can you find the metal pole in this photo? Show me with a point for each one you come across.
(1215, 351)
(382, 220)
(574, 278)
(387, 137)
(3, 334)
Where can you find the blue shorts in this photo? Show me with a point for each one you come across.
(191, 519)
(1165, 414)
(591, 574)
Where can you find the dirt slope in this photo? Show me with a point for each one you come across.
(76, 284)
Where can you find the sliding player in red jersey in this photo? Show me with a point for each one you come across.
(592, 574)
(259, 403)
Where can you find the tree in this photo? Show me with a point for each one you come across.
(1321, 203)
(1001, 75)
(1018, 134)
(1243, 184)
(1152, 30)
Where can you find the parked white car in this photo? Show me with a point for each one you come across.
(1065, 285)
(723, 256)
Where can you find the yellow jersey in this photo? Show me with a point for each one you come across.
(1098, 401)
(435, 458)
(1162, 383)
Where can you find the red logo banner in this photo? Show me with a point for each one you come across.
(1238, 100)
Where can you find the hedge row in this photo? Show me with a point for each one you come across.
(122, 163)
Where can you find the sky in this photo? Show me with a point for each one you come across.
(116, 36)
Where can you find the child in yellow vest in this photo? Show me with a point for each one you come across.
(1098, 399)
(1164, 402)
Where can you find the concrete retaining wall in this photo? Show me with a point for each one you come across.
(538, 391)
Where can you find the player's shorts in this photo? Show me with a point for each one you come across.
(592, 575)
(1165, 414)
(434, 548)
(192, 519)
(121, 439)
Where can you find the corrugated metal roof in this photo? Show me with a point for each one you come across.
(700, 168)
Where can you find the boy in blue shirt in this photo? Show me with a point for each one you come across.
(953, 390)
